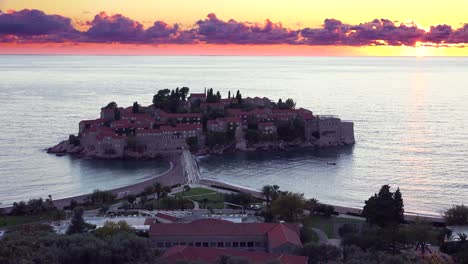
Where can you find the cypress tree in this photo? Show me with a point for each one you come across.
(78, 224)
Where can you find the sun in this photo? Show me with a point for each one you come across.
(421, 50)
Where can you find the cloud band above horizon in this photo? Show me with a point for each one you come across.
(34, 26)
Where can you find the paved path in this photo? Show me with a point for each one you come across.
(323, 239)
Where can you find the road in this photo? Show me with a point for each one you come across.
(191, 170)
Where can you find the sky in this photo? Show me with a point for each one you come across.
(236, 27)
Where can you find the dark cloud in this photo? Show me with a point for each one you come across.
(438, 34)
(214, 30)
(34, 22)
(460, 35)
(116, 28)
(36, 26)
(161, 32)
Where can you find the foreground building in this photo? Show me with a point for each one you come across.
(215, 233)
(213, 255)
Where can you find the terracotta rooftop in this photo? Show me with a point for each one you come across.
(197, 95)
(212, 255)
(92, 121)
(277, 234)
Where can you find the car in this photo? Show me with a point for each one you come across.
(2, 233)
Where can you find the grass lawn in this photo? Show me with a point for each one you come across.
(12, 220)
(195, 191)
(206, 198)
(328, 225)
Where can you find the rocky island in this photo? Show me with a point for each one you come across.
(204, 123)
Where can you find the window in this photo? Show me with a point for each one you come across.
(190, 244)
(227, 244)
(167, 244)
(250, 244)
(198, 244)
(258, 244)
(212, 244)
(205, 244)
(220, 244)
(235, 244)
(160, 244)
(242, 244)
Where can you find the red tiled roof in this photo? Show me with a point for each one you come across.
(227, 100)
(166, 217)
(181, 127)
(106, 134)
(258, 111)
(93, 121)
(233, 119)
(212, 122)
(278, 234)
(283, 232)
(149, 221)
(212, 255)
(99, 129)
(212, 104)
(181, 115)
(197, 95)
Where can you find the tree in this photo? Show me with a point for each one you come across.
(112, 228)
(135, 108)
(267, 191)
(158, 188)
(111, 105)
(385, 208)
(312, 205)
(457, 215)
(184, 92)
(148, 190)
(288, 206)
(131, 198)
(78, 225)
(239, 97)
(192, 142)
(321, 253)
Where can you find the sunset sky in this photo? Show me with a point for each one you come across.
(258, 27)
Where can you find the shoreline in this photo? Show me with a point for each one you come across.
(175, 175)
(172, 176)
(348, 210)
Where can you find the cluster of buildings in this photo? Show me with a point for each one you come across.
(151, 131)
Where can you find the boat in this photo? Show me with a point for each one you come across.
(331, 163)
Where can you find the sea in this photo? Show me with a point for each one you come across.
(410, 117)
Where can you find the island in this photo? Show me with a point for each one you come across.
(203, 123)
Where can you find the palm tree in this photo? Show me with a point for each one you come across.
(267, 191)
(276, 192)
(158, 188)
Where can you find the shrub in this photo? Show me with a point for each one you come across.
(457, 215)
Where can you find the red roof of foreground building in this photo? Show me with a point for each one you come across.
(212, 255)
(166, 217)
(277, 234)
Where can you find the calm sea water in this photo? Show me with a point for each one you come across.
(410, 115)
